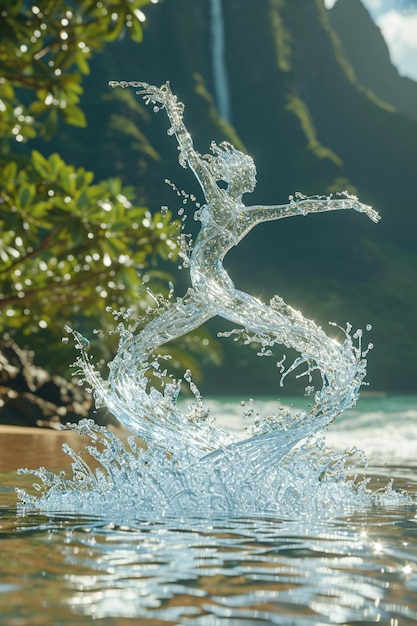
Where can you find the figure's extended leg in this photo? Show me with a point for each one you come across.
(340, 364)
(279, 322)
(339, 367)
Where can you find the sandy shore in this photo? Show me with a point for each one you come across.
(22, 446)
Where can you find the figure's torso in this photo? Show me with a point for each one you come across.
(216, 238)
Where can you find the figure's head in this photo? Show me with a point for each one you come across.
(232, 166)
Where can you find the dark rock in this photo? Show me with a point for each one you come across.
(31, 396)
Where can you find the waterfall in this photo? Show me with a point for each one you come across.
(221, 87)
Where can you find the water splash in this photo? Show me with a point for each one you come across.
(188, 463)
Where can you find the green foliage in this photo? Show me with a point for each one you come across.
(70, 246)
(45, 47)
(63, 236)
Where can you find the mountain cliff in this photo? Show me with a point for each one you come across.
(312, 125)
(365, 48)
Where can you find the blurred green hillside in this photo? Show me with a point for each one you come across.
(299, 107)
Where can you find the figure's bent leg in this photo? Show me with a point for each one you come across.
(127, 394)
(177, 320)
(150, 411)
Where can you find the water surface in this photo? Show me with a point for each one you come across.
(358, 567)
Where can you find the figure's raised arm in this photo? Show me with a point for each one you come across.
(163, 98)
(302, 205)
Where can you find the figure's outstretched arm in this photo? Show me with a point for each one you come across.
(163, 98)
(302, 205)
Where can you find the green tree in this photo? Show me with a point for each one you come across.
(69, 247)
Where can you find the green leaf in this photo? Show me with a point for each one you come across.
(116, 28)
(81, 62)
(136, 31)
(40, 209)
(130, 277)
(74, 115)
(48, 130)
(25, 195)
(40, 164)
(114, 185)
(9, 171)
(38, 108)
(56, 163)
(114, 246)
(66, 180)
(82, 201)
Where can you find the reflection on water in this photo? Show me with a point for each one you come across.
(356, 569)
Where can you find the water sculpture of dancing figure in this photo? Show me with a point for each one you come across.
(225, 220)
